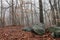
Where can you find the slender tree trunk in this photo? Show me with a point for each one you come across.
(22, 13)
(13, 15)
(1, 13)
(58, 14)
(31, 12)
(41, 11)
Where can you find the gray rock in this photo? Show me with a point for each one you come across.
(38, 29)
(28, 29)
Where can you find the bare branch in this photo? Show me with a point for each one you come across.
(8, 2)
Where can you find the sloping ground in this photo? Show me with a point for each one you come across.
(15, 33)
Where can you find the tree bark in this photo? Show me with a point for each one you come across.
(41, 11)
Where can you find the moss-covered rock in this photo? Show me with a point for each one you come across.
(56, 34)
(28, 29)
(55, 31)
(39, 29)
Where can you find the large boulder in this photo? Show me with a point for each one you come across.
(55, 31)
(39, 29)
(56, 34)
(51, 29)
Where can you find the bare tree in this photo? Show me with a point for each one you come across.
(53, 13)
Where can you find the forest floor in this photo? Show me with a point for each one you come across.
(15, 33)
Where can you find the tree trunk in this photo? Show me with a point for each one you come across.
(53, 13)
(1, 13)
(41, 11)
(13, 15)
